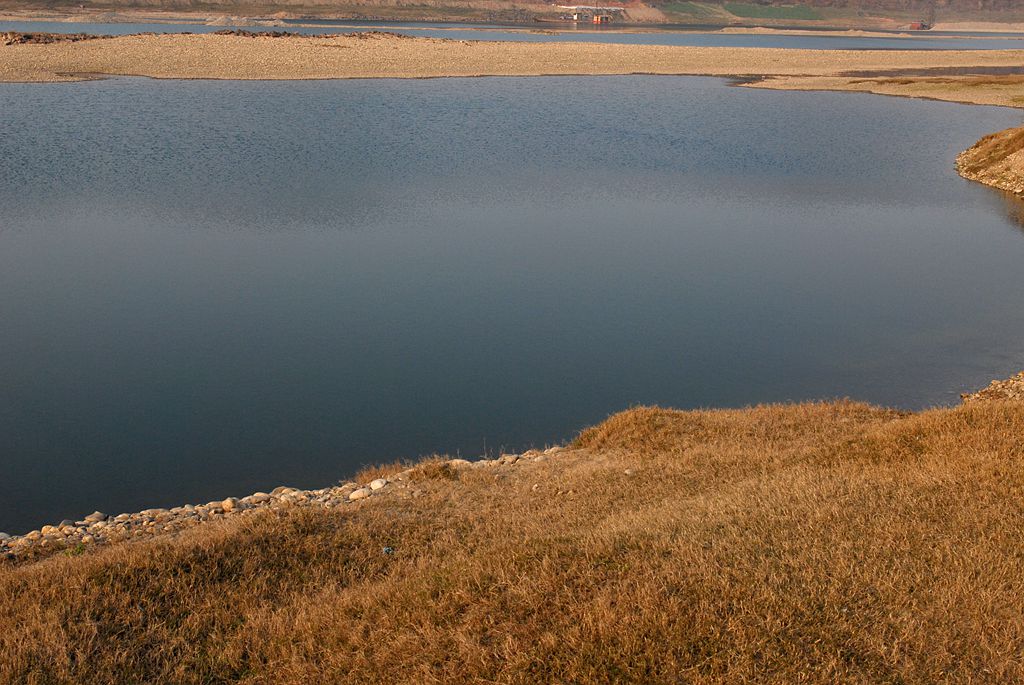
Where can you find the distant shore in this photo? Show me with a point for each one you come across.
(637, 16)
(983, 77)
(377, 55)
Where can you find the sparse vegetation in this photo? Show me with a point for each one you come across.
(993, 149)
(996, 160)
(755, 11)
(822, 543)
(693, 9)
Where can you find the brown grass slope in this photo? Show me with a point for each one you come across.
(826, 542)
(996, 160)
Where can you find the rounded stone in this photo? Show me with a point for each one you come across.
(282, 490)
(378, 484)
(230, 504)
(95, 517)
(361, 493)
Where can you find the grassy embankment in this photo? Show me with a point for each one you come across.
(825, 542)
(996, 160)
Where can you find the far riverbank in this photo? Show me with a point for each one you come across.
(376, 55)
(989, 77)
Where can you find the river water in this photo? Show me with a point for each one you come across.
(211, 288)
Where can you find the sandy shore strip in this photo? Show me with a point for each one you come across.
(389, 56)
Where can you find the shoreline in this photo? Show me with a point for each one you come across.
(97, 528)
(395, 481)
(950, 75)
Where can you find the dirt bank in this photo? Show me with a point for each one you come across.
(293, 57)
(996, 160)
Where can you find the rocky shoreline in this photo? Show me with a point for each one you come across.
(75, 537)
(37, 38)
(997, 160)
(1011, 389)
(20, 38)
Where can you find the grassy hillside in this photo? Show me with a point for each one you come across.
(817, 543)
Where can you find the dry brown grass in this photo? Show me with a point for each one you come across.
(823, 543)
(375, 471)
(427, 468)
(988, 152)
(997, 90)
(996, 160)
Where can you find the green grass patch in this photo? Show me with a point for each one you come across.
(691, 9)
(751, 11)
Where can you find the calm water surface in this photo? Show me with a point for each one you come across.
(212, 288)
(555, 32)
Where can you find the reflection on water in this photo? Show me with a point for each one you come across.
(212, 288)
(1012, 205)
